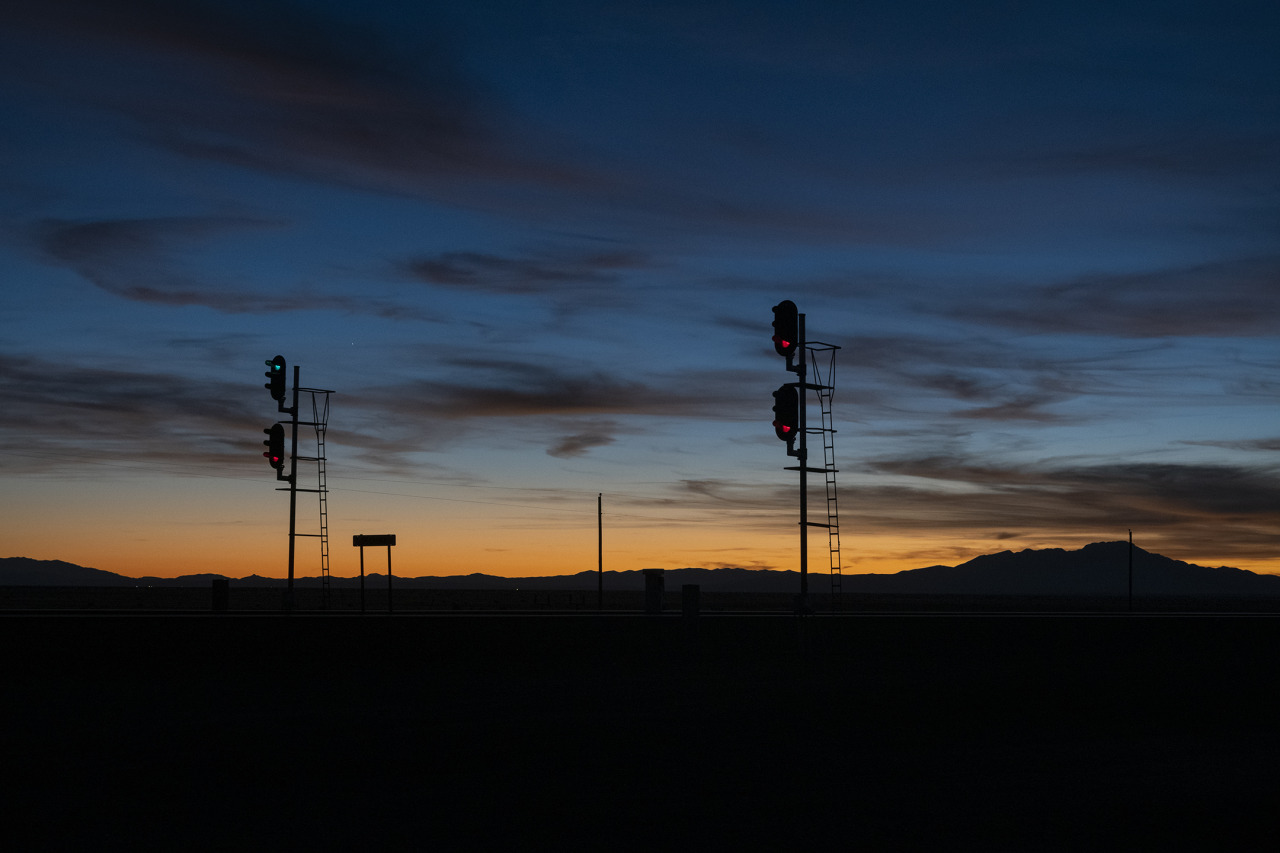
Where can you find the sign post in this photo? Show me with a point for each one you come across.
(360, 540)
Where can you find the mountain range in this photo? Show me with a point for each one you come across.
(1100, 569)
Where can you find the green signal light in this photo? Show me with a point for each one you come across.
(275, 374)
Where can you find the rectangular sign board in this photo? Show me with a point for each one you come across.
(373, 539)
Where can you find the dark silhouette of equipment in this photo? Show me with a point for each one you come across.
(786, 414)
(276, 374)
(790, 416)
(786, 329)
(275, 455)
(275, 446)
(654, 591)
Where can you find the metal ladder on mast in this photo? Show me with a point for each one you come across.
(320, 421)
(824, 387)
(833, 509)
(322, 426)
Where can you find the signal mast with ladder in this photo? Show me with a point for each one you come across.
(790, 424)
(276, 385)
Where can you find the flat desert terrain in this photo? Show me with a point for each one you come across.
(406, 599)
(470, 730)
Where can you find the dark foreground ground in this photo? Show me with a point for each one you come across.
(347, 600)
(466, 731)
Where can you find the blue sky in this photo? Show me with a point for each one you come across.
(533, 248)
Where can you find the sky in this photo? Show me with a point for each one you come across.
(532, 248)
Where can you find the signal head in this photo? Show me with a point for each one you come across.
(786, 413)
(786, 329)
(275, 446)
(275, 373)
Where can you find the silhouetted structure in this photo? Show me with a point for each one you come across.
(360, 540)
(653, 591)
(690, 599)
(221, 595)
(791, 425)
(276, 375)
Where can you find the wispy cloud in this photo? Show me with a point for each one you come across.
(1193, 508)
(1235, 298)
(1265, 445)
(505, 389)
(60, 414)
(145, 260)
(573, 411)
(284, 89)
(570, 279)
(137, 258)
(533, 274)
(579, 443)
(974, 378)
(1200, 156)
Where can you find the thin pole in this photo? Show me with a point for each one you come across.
(802, 373)
(293, 484)
(388, 578)
(1130, 571)
(600, 551)
(362, 579)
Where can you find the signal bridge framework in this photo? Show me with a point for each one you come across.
(822, 357)
(320, 422)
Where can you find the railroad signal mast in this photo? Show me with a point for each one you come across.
(276, 385)
(790, 424)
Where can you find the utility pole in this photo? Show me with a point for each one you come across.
(1131, 571)
(600, 551)
(293, 486)
(802, 376)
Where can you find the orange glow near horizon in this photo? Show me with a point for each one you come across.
(167, 527)
(431, 547)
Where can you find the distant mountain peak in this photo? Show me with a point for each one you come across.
(1097, 569)
(24, 571)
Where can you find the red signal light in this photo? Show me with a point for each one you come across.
(786, 328)
(275, 446)
(786, 413)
